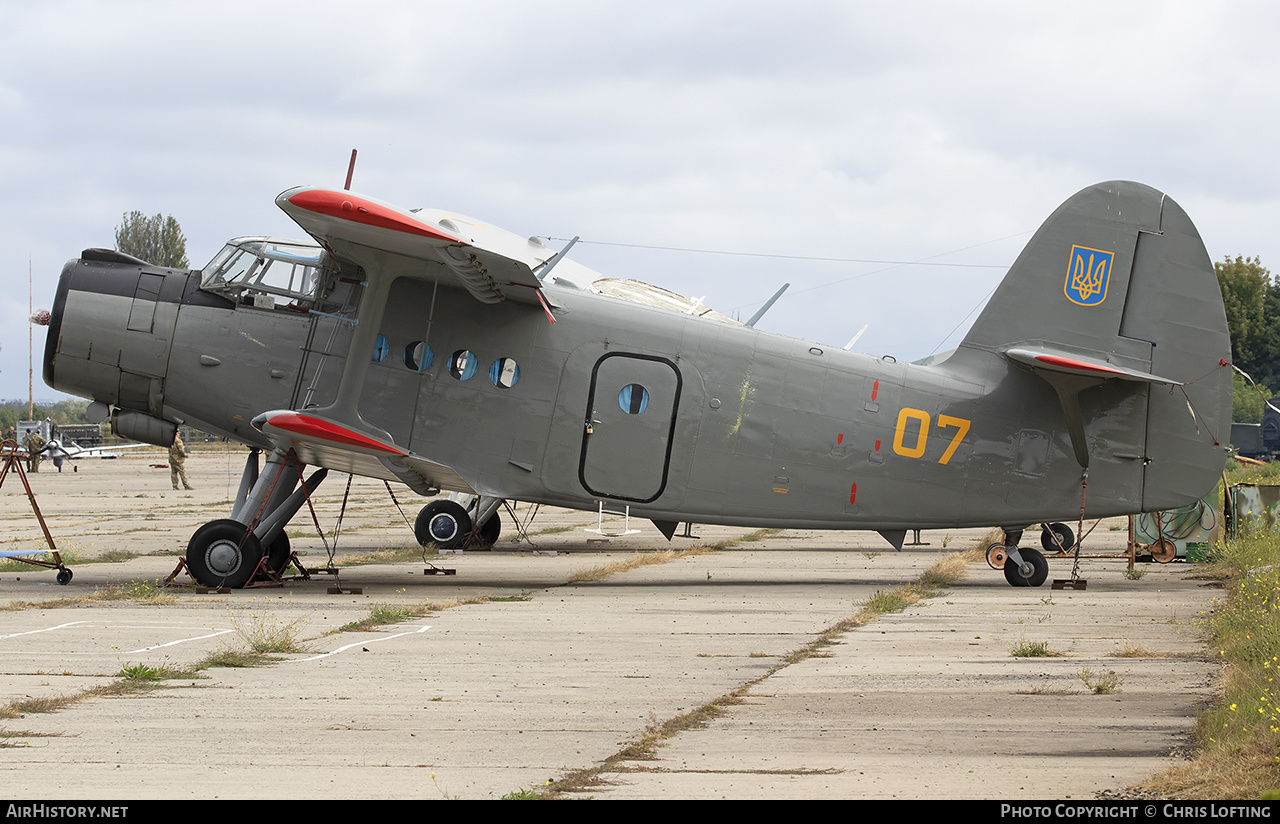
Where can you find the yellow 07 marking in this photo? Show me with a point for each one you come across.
(900, 432)
(922, 434)
(962, 430)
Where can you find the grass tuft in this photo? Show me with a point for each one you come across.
(1101, 683)
(265, 635)
(1034, 649)
(141, 672)
(884, 603)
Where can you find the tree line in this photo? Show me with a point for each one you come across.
(62, 413)
(1251, 297)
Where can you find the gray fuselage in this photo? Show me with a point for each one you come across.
(682, 418)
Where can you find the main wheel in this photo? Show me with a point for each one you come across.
(443, 523)
(64, 576)
(1065, 536)
(996, 556)
(1032, 572)
(278, 552)
(491, 530)
(223, 553)
(487, 535)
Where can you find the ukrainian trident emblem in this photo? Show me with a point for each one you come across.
(1087, 275)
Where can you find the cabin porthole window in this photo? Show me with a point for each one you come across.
(462, 365)
(504, 372)
(418, 356)
(633, 398)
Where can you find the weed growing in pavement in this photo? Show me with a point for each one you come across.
(141, 672)
(1034, 649)
(1101, 683)
(264, 634)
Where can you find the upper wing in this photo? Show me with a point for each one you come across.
(490, 263)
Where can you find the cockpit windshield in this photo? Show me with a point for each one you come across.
(258, 270)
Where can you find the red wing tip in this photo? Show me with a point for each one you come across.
(356, 209)
(320, 429)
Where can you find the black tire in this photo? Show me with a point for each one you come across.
(64, 576)
(491, 530)
(223, 553)
(442, 523)
(1064, 533)
(485, 537)
(1038, 573)
(278, 552)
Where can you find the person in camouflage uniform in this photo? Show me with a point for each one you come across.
(34, 443)
(178, 462)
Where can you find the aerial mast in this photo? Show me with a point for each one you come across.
(31, 402)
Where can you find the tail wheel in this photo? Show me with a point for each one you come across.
(443, 523)
(1164, 551)
(1032, 572)
(223, 553)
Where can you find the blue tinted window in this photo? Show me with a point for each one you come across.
(504, 372)
(633, 398)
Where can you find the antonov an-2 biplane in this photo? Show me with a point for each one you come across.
(444, 353)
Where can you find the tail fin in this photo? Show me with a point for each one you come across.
(1116, 286)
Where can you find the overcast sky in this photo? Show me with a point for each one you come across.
(909, 131)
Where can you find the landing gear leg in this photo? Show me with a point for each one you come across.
(227, 552)
(1023, 566)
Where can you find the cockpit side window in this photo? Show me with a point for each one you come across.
(266, 273)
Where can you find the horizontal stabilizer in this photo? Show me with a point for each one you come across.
(1058, 361)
